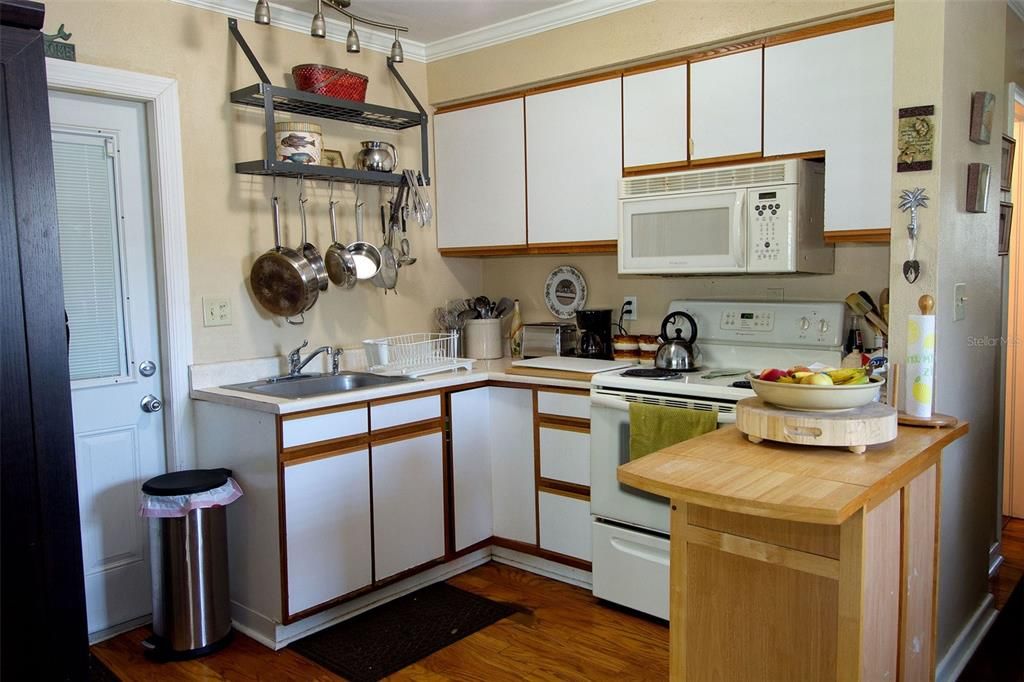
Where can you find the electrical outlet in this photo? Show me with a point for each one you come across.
(216, 311)
(959, 301)
(629, 308)
(775, 294)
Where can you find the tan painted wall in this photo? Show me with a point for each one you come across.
(228, 214)
(944, 51)
(857, 267)
(1014, 48)
(660, 28)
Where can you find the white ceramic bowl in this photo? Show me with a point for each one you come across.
(815, 398)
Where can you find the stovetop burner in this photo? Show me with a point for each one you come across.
(652, 373)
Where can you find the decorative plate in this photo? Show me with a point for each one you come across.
(565, 292)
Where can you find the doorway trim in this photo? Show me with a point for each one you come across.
(160, 95)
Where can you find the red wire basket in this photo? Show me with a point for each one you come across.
(330, 81)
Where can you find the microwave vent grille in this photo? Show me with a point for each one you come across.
(699, 181)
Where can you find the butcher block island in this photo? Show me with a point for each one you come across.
(787, 560)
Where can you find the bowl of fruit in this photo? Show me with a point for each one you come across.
(817, 389)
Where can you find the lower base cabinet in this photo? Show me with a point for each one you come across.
(565, 524)
(408, 503)
(327, 527)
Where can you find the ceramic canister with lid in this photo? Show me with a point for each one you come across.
(298, 142)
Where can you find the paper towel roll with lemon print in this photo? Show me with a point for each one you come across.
(920, 363)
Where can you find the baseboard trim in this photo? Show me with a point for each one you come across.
(544, 567)
(120, 628)
(965, 644)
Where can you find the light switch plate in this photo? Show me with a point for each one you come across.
(216, 311)
(959, 301)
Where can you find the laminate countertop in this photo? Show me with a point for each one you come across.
(724, 470)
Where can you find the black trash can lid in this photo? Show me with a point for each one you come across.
(186, 482)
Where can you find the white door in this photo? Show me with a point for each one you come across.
(101, 168)
(654, 117)
(725, 106)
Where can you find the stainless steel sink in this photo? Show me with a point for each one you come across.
(309, 385)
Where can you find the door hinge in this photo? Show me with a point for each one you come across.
(110, 147)
(689, 146)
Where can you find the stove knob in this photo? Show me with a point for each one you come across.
(823, 326)
(805, 324)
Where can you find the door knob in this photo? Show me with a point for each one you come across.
(151, 403)
(147, 368)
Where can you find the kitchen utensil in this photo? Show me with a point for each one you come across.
(854, 428)
(310, 252)
(405, 256)
(375, 156)
(282, 280)
(330, 81)
(483, 339)
(387, 277)
(814, 397)
(365, 255)
(341, 266)
(468, 314)
(504, 307)
(482, 305)
(866, 308)
(676, 352)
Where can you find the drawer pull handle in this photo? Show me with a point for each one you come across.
(803, 431)
(638, 550)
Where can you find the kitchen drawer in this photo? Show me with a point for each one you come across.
(565, 455)
(320, 427)
(564, 524)
(564, 404)
(631, 568)
(384, 415)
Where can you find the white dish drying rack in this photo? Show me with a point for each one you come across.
(415, 355)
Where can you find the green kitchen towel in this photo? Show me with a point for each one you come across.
(653, 427)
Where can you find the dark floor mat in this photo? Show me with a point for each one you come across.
(1000, 656)
(390, 637)
(99, 672)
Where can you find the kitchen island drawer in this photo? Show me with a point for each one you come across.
(385, 414)
(564, 403)
(565, 453)
(323, 426)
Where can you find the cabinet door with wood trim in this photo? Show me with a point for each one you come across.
(833, 93)
(481, 176)
(574, 163)
(564, 453)
(408, 503)
(725, 106)
(471, 466)
(654, 117)
(513, 478)
(565, 524)
(327, 527)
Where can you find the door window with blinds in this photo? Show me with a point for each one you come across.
(92, 255)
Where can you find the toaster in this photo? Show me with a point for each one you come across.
(549, 338)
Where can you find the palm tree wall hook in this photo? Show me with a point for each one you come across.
(911, 200)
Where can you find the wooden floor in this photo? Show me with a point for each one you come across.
(562, 633)
(1012, 570)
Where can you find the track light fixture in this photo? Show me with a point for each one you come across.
(352, 42)
(318, 27)
(262, 13)
(397, 54)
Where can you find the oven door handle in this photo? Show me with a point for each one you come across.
(622, 405)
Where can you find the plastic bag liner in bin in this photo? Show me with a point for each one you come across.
(189, 552)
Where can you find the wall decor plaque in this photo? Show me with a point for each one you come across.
(983, 106)
(915, 140)
(977, 187)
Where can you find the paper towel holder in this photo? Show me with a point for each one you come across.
(937, 421)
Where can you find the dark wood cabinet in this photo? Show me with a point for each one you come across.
(43, 631)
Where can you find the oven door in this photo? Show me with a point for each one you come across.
(609, 448)
(694, 233)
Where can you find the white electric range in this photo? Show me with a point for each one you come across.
(630, 527)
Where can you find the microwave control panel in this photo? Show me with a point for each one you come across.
(770, 228)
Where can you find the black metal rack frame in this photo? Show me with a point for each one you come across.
(272, 98)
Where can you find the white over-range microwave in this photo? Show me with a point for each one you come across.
(756, 218)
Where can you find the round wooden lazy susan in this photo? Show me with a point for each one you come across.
(854, 429)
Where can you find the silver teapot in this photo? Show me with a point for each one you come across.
(677, 353)
(374, 156)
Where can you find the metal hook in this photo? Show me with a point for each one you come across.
(331, 197)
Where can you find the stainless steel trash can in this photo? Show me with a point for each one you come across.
(189, 555)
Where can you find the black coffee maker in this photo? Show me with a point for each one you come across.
(595, 334)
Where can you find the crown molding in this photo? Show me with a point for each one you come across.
(1018, 8)
(294, 20)
(380, 41)
(529, 24)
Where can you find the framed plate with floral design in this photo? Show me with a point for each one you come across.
(565, 291)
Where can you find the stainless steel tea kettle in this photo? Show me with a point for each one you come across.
(375, 156)
(677, 353)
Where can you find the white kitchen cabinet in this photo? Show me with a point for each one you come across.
(513, 481)
(654, 117)
(833, 93)
(725, 105)
(340, 423)
(574, 162)
(480, 176)
(565, 454)
(408, 503)
(565, 524)
(471, 466)
(327, 526)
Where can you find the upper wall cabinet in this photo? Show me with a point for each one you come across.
(725, 106)
(833, 93)
(574, 163)
(654, 117)
(480, 174)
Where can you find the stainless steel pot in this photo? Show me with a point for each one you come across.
(341, 266)
(677, 353)
(282, 280)
(374, 156)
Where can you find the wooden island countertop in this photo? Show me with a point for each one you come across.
(793, 562)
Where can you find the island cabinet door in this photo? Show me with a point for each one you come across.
(408, 502)
(725, 107)
(833, 94)
(471, 466)
(327, 528)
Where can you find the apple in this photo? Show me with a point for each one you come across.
(817, 380)
(772, 374)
